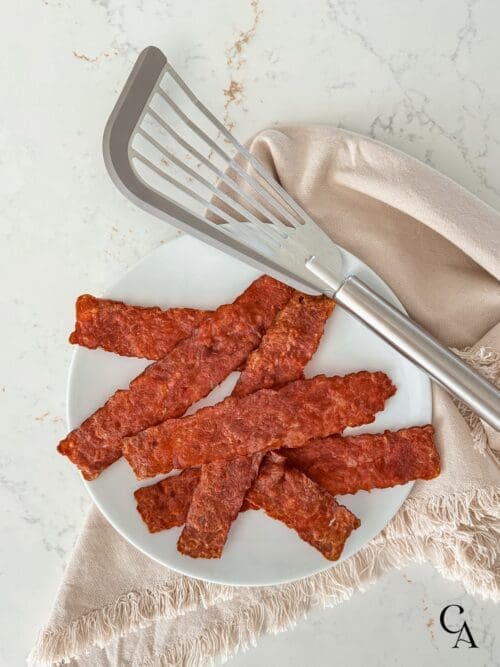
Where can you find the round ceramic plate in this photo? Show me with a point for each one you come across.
(259, 550)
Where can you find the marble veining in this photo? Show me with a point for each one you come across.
(419, 75)
(235, 59)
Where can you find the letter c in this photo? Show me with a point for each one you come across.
(442, 618)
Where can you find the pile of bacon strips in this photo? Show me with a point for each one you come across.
(275, 444)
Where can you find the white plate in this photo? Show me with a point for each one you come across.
(259, 551)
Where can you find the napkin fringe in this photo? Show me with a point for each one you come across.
(457, 533)
(458, 555)
(131, 611)
(487, 362)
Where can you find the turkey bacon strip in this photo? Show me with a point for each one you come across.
(165, 504)
(265, 420)
(132, 331)
(286, 494)
(364, 462)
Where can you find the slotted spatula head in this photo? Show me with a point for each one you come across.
(172, 157)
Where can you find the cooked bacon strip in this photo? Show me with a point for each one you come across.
(215, 504)
(287, 346)
(286, 494)
(132, 331)
(349, 464)
(285, 349)
(262, 421)
(165, 504)
(169, 386)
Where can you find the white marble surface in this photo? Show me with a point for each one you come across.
(420, 75)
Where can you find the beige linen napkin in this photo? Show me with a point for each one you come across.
(439, 249)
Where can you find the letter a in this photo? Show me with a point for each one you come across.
(470, 640)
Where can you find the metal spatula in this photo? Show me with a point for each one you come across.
(167, 153)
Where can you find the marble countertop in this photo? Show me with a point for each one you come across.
(419, 75)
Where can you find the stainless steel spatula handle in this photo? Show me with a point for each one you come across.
(416, 344)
